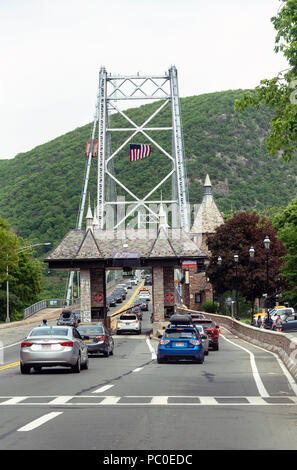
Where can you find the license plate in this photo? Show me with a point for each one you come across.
(179, 345)
(87, 340)
(46, 346)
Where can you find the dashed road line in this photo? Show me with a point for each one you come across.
(39, 421)
(103, 388)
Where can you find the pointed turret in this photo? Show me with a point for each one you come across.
(207, 188)
(208, 216)
(89, 217)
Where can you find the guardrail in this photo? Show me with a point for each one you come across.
(48, 303)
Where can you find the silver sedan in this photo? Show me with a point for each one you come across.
(49, 346)
(204, 338)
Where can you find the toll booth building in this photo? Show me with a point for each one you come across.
(93, 251)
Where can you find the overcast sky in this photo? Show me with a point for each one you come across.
(51, 52)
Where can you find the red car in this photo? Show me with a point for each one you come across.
(212, 331)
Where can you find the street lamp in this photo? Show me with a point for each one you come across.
(236, 257)
(7, 281)
(267, 246)
(252, 257)
(219, 283)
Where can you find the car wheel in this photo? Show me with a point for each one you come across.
(160, 361)
(77, 367)
(86, 364)
(118, 332)
(25, 369)
(106, 353)
(200, 361)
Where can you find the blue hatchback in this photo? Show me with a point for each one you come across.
(180, 343)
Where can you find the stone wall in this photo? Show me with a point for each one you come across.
(158, 294)
(282, 344)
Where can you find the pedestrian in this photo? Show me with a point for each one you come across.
(44, 322)
(268, 323)
(259, 321)
(278, 324)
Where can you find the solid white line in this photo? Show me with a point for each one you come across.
(103, 388)
(154, 355)
(138, 369)
(11, 345)
(38, 422)
(289, 377)
(262, 390)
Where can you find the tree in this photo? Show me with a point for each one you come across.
(279, 93)
(285, 221)
(237, 236)
(21, 271)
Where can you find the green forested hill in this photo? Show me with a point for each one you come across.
(40, 189)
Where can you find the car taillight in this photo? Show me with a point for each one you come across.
(100, 338)
(164, 341)
(67, 343)
(26, 344)
(195, 342)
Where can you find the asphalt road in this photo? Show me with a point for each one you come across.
(240, 398)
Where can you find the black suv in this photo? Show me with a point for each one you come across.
(68, 318)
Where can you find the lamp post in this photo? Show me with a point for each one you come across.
(219, 284)
(267, 246)
(7, 319)
(236, 257)
(252, 257)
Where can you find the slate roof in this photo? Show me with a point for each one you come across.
(98, 244)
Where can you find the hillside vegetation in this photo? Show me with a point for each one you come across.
(40, 190)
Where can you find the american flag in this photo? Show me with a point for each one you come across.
(139, 151)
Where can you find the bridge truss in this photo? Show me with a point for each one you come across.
(114, 89)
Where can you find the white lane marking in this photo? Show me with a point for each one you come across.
(10, 345)
(154, 355)
(103, 388)
(40, 421)
(13, 401)
(147, 400)
(60, 400)
(110, 401)
(159, 401)
(208, 401)
(289, 377)
(137, 369)
(260, 386)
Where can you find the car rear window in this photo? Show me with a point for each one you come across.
(49, 332)
(128, 317)
(66, 315)
(178, 334)
(206, 324)
(91, 330)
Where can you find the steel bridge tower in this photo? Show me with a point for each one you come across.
(114, 89)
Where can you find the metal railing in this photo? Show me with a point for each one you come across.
(48, 303)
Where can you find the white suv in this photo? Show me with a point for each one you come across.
(129, 322)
